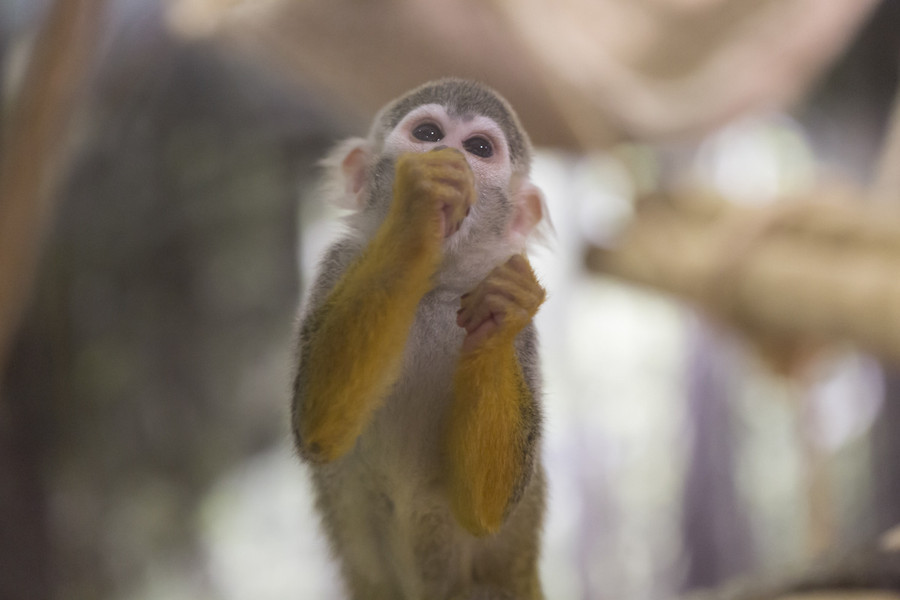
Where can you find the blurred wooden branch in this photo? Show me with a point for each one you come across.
(791, 275)
(684, 69)
(821, 271)
(33, 146)
(582, 74)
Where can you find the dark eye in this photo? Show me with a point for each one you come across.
(479, 147)
(428, 132)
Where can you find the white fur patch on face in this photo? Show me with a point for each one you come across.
(495, 170)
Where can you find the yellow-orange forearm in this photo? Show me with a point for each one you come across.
(486, 437)
(358, 336)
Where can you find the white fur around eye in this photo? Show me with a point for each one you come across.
(494, 171)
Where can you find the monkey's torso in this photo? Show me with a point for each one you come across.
(384, 503)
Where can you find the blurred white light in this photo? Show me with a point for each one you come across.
(261, 534)
(757, 159)
(846, 401)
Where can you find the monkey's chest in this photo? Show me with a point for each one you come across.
(406, 432)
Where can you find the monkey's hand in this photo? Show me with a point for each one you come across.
(501, 305)
(493, 424)
(433, 192)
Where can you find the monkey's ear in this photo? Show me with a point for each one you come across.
(354, 168)
(529, 209)
(346, 166)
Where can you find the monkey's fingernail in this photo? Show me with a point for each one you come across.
(468, 210)
(459, 312)
(464, 296)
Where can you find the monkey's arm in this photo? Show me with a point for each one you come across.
(494, 421)
(352, 344)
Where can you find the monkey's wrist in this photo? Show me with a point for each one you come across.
(499, 341)
(403, 251)
(415, 236)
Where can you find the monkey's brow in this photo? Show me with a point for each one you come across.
(464, 117)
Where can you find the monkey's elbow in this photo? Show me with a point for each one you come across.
(314, 454)
(480, 525)
(310, 440)
(320, 436)
(480, 518)
(317, 448)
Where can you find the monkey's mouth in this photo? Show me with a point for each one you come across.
(451, 224)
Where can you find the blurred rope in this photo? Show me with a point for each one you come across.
(32, 148)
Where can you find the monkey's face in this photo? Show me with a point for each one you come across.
(490, 229)
(481, 127)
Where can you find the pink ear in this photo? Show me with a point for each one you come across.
(529, 209)
(354, 168)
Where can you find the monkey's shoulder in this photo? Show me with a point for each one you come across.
(332, 265)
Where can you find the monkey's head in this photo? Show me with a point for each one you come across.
(476, 121)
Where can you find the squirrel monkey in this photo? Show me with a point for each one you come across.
(416, 400)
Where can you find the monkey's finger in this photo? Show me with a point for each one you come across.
(504, 317)
(459, 194)
(447, 156)
(453, 218)
(494, 306)
(498, 304)
(422, 179)
(453, 165)
(457, 172)
(494, 282)
(469, 316)
(518, 271)
(479, 335)
(468, 303)
(483, 316)
(493, 287)
(448, 201)
(455, 199)
(518, 282)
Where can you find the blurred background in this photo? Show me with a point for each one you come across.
(154, 264)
